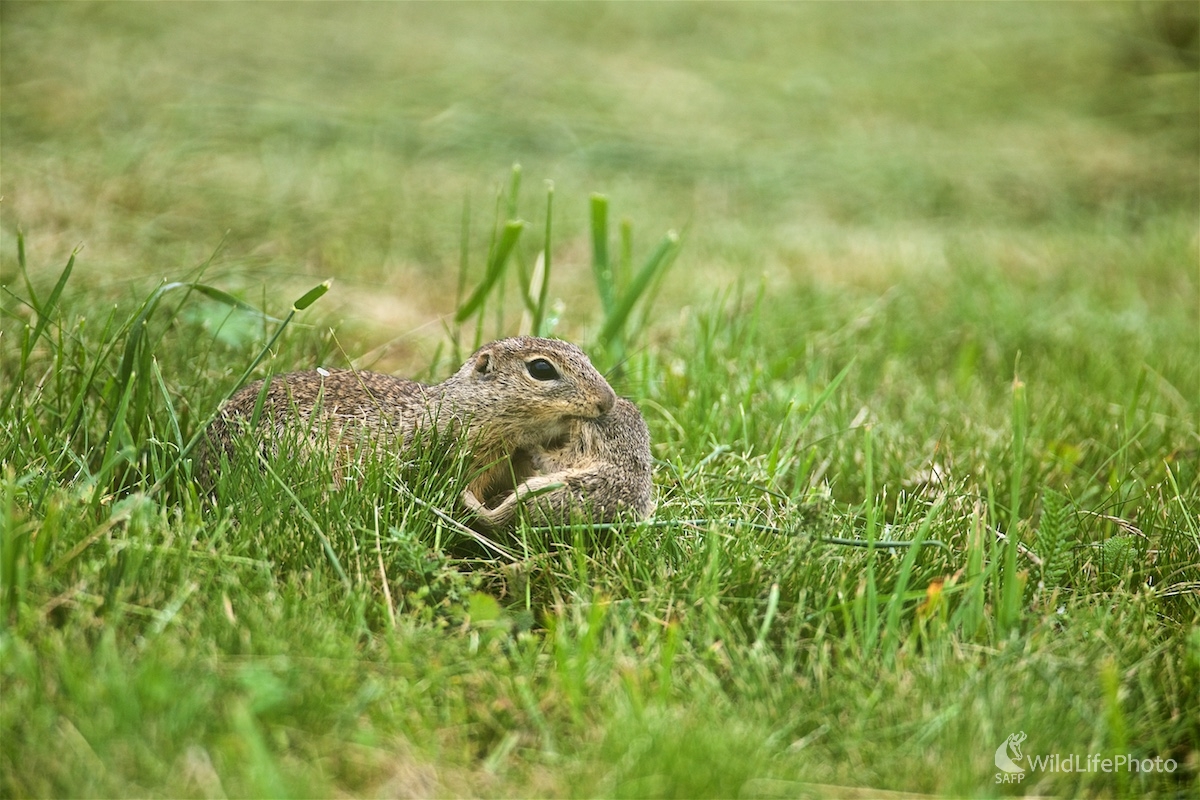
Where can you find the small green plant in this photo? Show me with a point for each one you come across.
(1055, 535)
(1116, 555)
(626, 297)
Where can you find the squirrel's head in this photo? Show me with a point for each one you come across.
(535, 387)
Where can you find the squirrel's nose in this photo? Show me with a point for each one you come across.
(606, 402)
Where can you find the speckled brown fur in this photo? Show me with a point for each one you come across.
(516, 426)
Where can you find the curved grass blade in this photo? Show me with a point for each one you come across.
(44, 312)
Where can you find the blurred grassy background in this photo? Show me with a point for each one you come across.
(934, 197)
(838, 142)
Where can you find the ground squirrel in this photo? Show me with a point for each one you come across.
(525, 408)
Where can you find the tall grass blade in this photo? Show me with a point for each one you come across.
(1020, 422)
(543, 287)
(1012, 583)
(116, 441)
(44, 313)
(600, 266)
(514, 191)
(870, 608)
(23, 268)
(624, 263)
(496, 264)
(14, 542)
(824, 396)
(617, 316)
(168, 403)
(464, 263)
(896, 601)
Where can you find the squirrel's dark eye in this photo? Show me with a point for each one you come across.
(542, 370)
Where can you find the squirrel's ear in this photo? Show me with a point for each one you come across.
(483, 363)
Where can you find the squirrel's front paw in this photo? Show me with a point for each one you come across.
(473, 503)
(489, 517)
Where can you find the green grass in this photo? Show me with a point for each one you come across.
(933, 295)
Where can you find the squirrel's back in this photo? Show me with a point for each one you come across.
(337, 393)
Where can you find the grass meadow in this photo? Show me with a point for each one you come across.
(909, 295)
